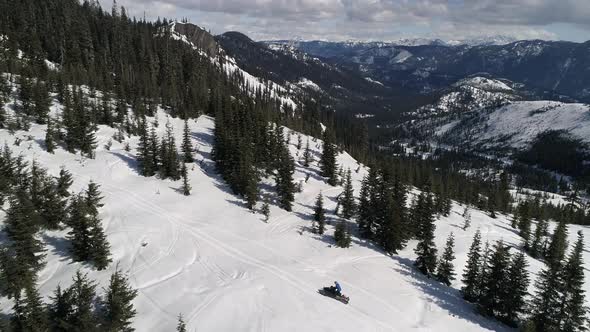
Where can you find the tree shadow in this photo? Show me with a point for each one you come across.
(130, 161)
(204, 138)
(510, 229)
(59, 246)
(445, 297)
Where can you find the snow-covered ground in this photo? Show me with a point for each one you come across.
(206, 256)
(523, 121)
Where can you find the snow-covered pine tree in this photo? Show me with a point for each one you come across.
(445, 271)
(118, 304)
(319, 215)
(187, 146)
(348, 201)
(181, 326)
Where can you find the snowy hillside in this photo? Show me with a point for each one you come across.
(230, 67)
(206, 256)
(470, 94)
(492, 114)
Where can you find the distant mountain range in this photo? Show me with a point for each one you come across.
(486, 40)
(552, 68)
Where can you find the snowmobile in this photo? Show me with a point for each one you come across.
(331, 292)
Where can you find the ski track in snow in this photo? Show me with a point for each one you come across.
(207, 257)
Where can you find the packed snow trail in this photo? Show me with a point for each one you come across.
(224, 269)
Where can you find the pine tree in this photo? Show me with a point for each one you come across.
(181, 327)
(61, 310)
(42, 102)
(328, 160)
(29, 312)
(536, 248)
(144, 151)
(573, 306)
(50, 137)
(154, 148)
(391, 229)
(83, 298)
(53, 210)
(557, 247)
(118, 306)
(546, 302)
(341, 235)
(170, 162)
(466, 218)
(496, 290)
(64, 182)
(348, 203)
(299, 141)
(79, 236)
(187, 147)
(425, 249)
(307, 158)
(21, 225)
(186, 187)
(93, 198)
(524, 225)
(99, 245)
(518, 282)
(319, 215)
(364, 209)
(265, 210)
(284, 179)
(471, 276)
(445, 271)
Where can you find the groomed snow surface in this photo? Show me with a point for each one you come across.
(206, 256)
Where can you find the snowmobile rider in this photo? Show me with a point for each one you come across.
(337, 288)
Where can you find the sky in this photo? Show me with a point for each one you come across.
(376, 19)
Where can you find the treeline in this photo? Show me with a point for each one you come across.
(75, 308)
(37, 202)
(497, 281)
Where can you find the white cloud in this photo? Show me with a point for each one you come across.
(375, 19)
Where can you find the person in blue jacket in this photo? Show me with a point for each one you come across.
(338, 288)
